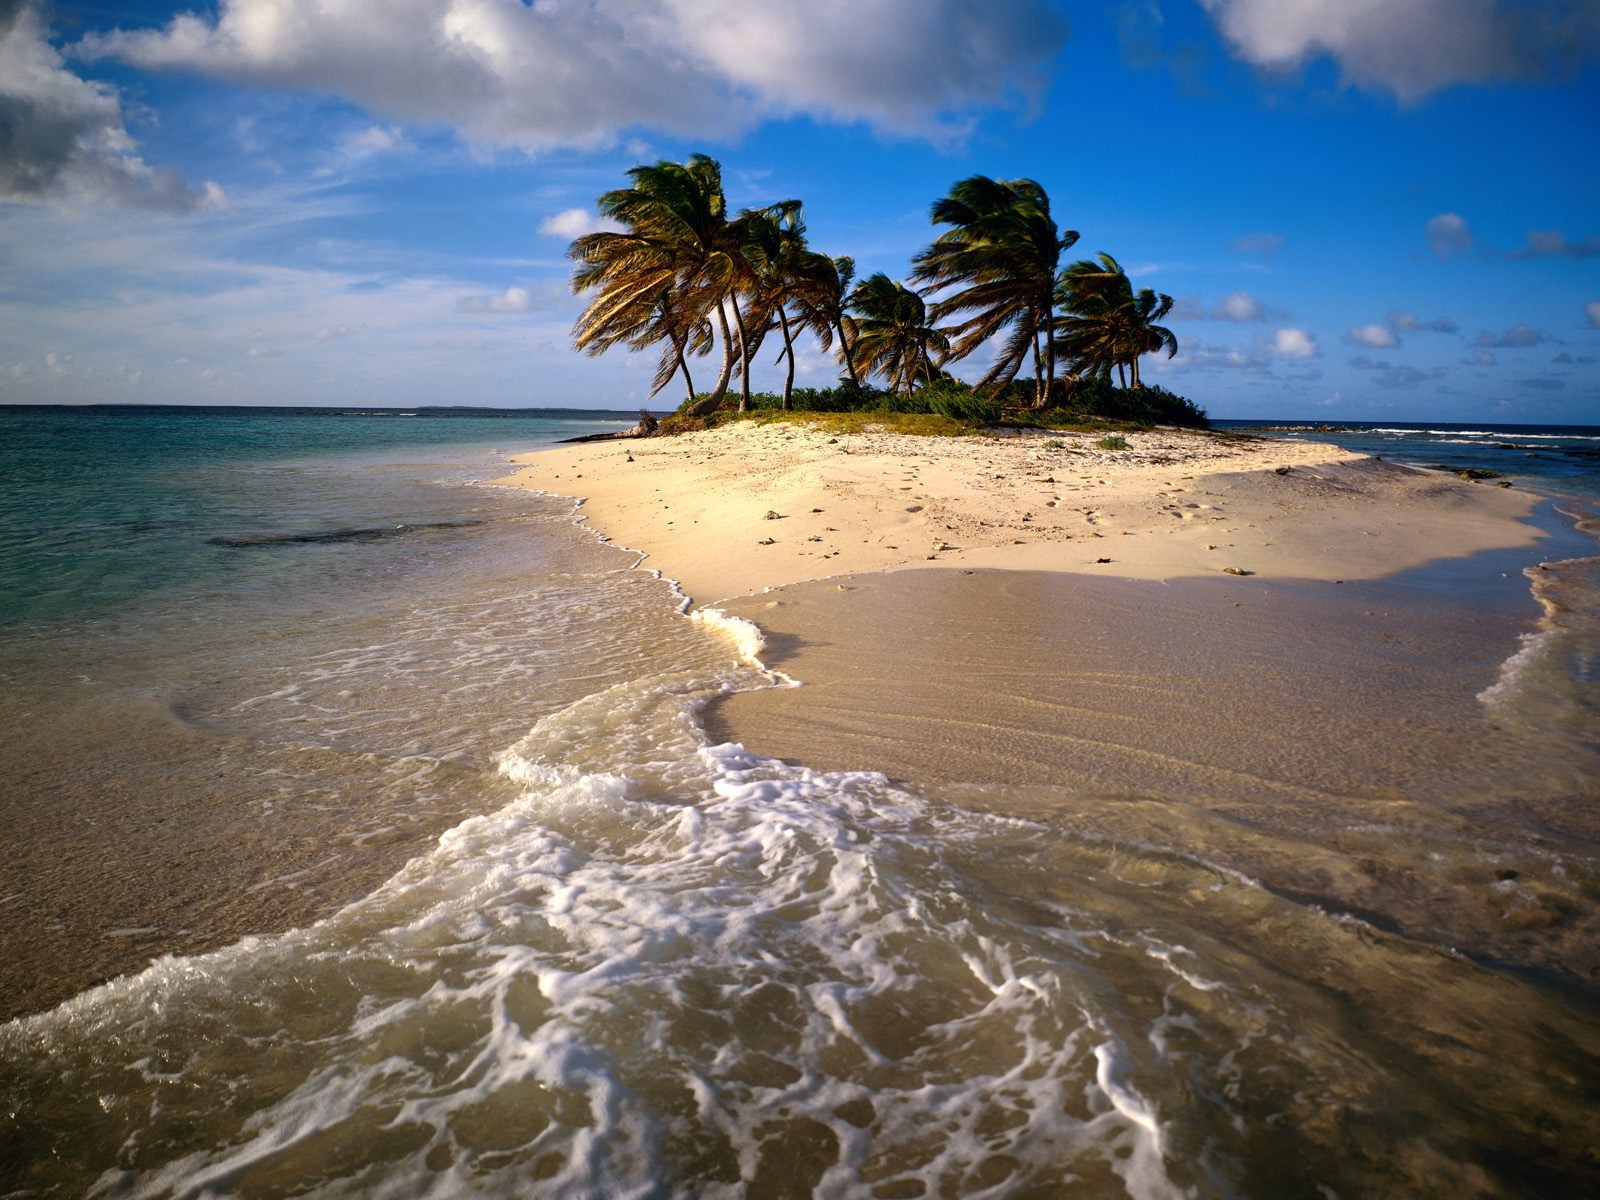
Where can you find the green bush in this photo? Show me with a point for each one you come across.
(1141, 406)
(1115, 442)
(962, 405)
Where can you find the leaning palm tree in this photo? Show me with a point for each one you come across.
(775, 248)
(676, 238)
(823, 299)
(1107, 325)
(999, 256)
(893, 334)
(1147, 337)
(650, 323)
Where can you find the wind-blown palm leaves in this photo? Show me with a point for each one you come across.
(676, 241)
(893, 334)
(775, 248)
(1106, 323)
(1000, 254)
(680, 273)
(824, 295)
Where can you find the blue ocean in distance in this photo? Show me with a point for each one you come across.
(1562, 459)
(107, 507)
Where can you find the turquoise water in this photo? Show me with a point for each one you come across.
(108, 507)
(1561, 459)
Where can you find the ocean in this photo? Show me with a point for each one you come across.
(363, 836)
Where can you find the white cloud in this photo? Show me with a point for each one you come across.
(378, 139)
(513, 299)
(1413, 47)
(62, 138)
(1294, 343)
(1264, 243)
(1373, 336)
(572, 223)
(1481, 358)
(1591, 310)
(1239, 306)
(534, 76)
(1235, 306)
(1448, 235)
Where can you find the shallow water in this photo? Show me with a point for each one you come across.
(624, 960)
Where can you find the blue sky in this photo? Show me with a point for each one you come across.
(1365, 209)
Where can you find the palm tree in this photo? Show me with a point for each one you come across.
(646, 324)
(893, 335)
(1107, 324)
(775, 247)
(823, 299)
(1001, 253)
(676, 239)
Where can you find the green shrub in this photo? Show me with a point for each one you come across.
(962, 406)
(1115, 442)
(1099, 397)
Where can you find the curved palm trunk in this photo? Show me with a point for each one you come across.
(712, 402)
(849, 357)
(1038, 376)
(1049, 346)
(744, 356)
(683, 365)
(788, 350)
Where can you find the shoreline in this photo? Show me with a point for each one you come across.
(742, 509)
(1287, 725)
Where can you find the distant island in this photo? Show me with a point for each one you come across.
(681, 275)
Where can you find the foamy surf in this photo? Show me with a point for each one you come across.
(673, 968)
(1551, 685)
(614, 991)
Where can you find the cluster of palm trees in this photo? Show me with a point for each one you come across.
(682, 274)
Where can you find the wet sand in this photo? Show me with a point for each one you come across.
(1039, 626)
(1324, 739)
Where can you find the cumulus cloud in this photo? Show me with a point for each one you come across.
(1481, 358)
(534, 76)
(1374, 336)
(1413, 47)
(1264, 244)
(1552, 243)
(1591, 312)
(572, 223)
(62, 137)
(1235, 306)
(1448, 235)
(1294, 344)
(1239, 306)
(1404, 322)
(1516, 338)
(513, 299)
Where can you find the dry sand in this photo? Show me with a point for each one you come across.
(1173, 504)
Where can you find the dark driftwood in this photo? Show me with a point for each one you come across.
(647, 425)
